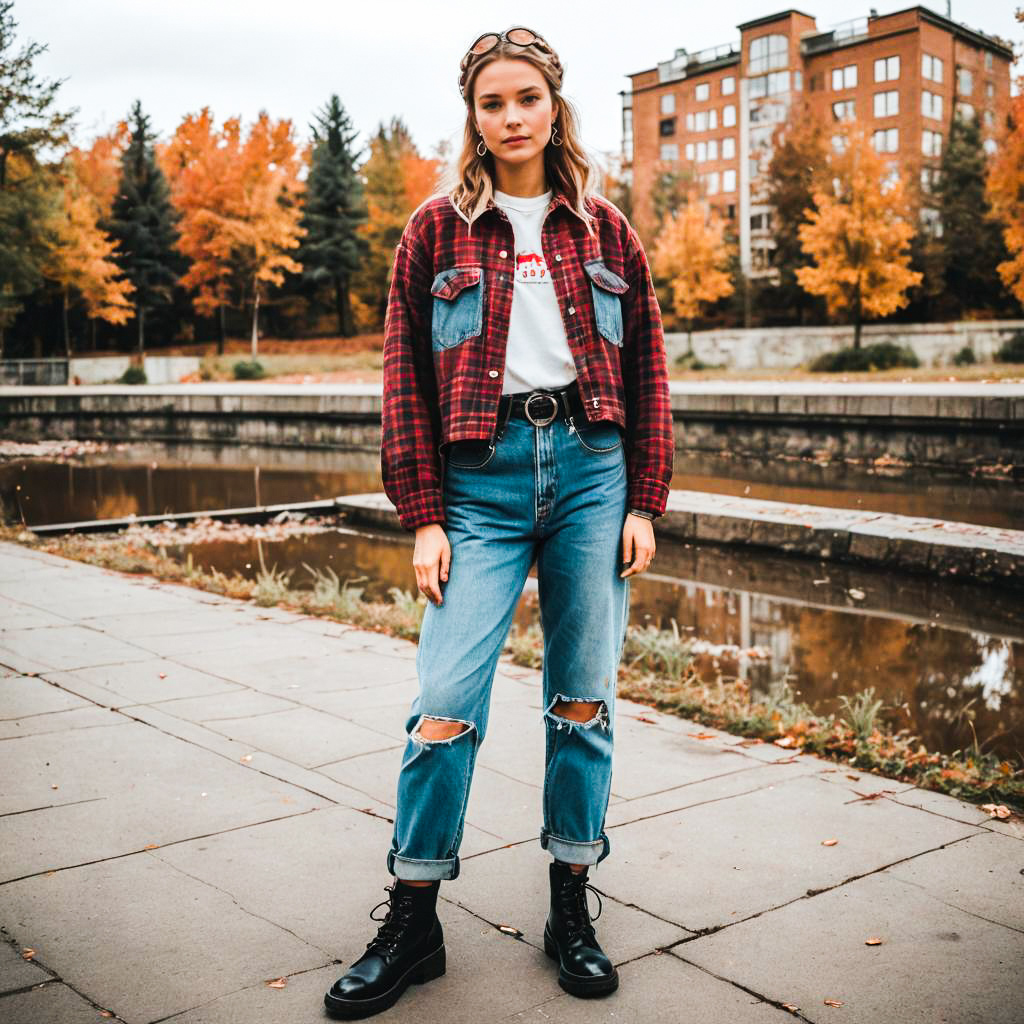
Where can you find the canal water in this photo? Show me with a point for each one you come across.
(946, 657)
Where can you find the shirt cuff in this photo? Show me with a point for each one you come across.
(641, 512)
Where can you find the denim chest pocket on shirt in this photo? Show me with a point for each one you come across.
(606, 288)
(458, 311)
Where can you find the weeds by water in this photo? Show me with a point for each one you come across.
(657, 668)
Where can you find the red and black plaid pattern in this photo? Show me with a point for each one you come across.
(435, 394)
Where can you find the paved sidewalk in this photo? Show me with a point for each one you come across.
(196, 799)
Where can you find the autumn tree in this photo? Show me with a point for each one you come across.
(142, 224)
(333, 250)
(795, 171)
(238, 195)
(1005, 190)
(81, 261)
(857, 233)
(29, 125)
(396, 180)
(692, 255)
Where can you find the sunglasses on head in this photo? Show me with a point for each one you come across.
(518, 36)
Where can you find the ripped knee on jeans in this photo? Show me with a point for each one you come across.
(578, 711)
(434, 729)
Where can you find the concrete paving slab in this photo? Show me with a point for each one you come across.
(237, 702)
(959, 810)
(205, 945)
(510, 886)
(17, 972)
(721, 853)
(86, 717)
(142, 682)
(52, 1003)
(21, 696)
(935, 963)
(658, 989)
(14, 615)
(78, 647)
(303, 735)
(370, 698)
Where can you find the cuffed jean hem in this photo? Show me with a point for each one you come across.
(571, 851)
(422, 870)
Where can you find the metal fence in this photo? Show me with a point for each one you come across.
(33, 371)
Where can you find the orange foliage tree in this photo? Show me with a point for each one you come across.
(81, 259)
(692, 255)
(858, 233)
(1005, 187)
(238, 196)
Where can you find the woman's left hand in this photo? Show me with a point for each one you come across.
(637, 544)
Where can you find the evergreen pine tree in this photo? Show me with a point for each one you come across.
(971, 245)
(142, 222)
(332, 250)
(28, 124)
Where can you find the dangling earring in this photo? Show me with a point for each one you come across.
(482, 152)
(556, 139)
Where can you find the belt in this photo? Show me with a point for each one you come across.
(543, 406)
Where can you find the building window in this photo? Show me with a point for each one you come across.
(669, 151)
(689, 122)
(988, 61)
(844, 78)
(931, 143)
(887, 104)
(713, 149)
(712, 180)
(816, 83)
(930, 178)
(700, 121)
(702, 152)
(702, 92)
(964, 82)
(798, 80)
(990, 90)
(760, 222)
(965, 111)
(729, 181)
(988, 118)
(729, 148)
(931, 221)
(728, 85)
(838, 143)
(843, 110)
(712, 120)
(886, 140)
(887, 69)
(689, 151)
(627, 135)
(768, 53)
(931, 67)
(769, 85)
(667, 126)
(668, 102)
(931, 105)
(729, 116)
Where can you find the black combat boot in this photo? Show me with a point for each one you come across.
(570, 939)
(408, 948)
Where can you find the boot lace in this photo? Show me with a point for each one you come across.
(573, 897)
(395, 922)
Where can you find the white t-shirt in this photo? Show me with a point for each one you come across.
(538, 353)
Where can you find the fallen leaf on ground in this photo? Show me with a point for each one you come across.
(509, 929)
(701, 735)
(833, 1002)
(792, 1007)
(829, 842)
(856, 778)
(644, 718)
(152, 846)
(1000, 811)
(28, 953)
(163, 675)
(875, 796)
(873, 941)
(786, 741)
(827, 771)
(277, 983)
(246, 758)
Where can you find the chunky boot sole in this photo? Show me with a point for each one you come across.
(584, 988)
(430, 967)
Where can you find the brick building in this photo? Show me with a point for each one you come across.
(904, 75)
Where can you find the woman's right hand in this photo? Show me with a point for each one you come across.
(431, 558)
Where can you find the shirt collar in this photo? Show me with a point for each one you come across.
(556, 200)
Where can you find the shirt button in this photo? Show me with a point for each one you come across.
(572, 311)
(558, 257)
(492, 373)
(597, 402)
(503, 253)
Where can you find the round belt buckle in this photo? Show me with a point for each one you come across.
(541, 422)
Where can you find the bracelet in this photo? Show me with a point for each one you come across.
(644, 515)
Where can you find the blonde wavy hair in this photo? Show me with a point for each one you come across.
(566, 167)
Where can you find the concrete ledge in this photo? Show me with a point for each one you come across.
(934, 547)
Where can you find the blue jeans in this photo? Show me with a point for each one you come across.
(537, 492)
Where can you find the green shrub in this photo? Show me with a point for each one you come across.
(881, 356)
(133, 375)
(245, 370)
(965, 357)
(1012, 351)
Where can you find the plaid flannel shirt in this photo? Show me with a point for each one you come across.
(446, 331)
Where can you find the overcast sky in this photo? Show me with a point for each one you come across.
(382, 57)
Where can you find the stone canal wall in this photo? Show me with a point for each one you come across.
(954, 425)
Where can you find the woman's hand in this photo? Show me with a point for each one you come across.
(637, 544)
(431, 558)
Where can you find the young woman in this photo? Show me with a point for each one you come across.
(526, 417)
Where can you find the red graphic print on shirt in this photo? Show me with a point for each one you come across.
(531, 267)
